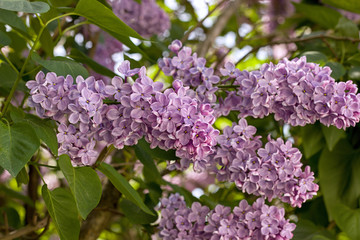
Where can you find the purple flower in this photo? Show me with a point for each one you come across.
(61, 100)
(88, 154)
(38, 83)
(184, 134)
(89, 100)
(183, 60)
(66, 133)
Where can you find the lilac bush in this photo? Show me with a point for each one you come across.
(182, 118)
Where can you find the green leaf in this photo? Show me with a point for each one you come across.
(123, 186)
(354, 73)
(332, 135)
(7, 79)
(315, 56)
(157, 153)
(22, 177)
(4, 39)
(340, 184)
(8, 17)
(338, 69)
(350, 5)
(17, 145)
(354, 59)
(83, 58)
(307, 230)
(44, 128)
(347, 28)
(62, 66)
(103, 17)
(312, 139)
(150, 170)
(84, 184)
(13, 218)
(189, 198)
(135, 214)
(324, 16)
(24, 6)
(62, 209)
(46, 40)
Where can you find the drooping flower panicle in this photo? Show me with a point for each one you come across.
(167, 119)
(256, 221)
(296, 92)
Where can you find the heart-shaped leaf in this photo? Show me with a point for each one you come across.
(340, 181)
(62, 208)
(17, 145)
(84, 183)
(24, 6)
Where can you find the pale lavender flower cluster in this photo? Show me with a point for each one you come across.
(78, 108)
(146, 18)
(257, 221)
(272, 172)
(169, 119)
(296, 91)
(191, 70)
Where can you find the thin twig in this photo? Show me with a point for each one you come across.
(6, 222)
(9, 62)
(330, 48)
(107, 150)
(26, 230)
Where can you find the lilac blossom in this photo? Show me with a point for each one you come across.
(147, 18)
(198, 222)
(169, 119)
(299, 93)
(272, 171)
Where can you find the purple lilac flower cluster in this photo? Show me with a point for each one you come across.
(191, 70)
(169, 119)
(272, 171)
(146, 18)
(257, 221)
(296, 91)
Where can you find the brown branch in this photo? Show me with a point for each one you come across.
(26, 230)
(6, 222)
(32, 192)
(218, 27)
(330, 48)
(97, 221)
